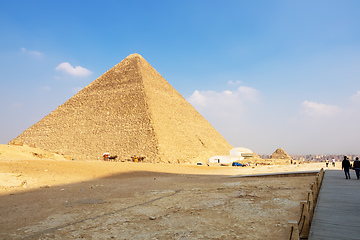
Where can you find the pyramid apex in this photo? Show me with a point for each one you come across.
(134, 55)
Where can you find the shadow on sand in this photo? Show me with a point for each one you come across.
(19, 210)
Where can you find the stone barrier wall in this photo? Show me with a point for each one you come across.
(300, 229)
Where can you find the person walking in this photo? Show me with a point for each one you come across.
(333, 162)
(356, 167)
(346, 166)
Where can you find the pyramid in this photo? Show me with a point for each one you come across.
(129, 110)
(280, 154)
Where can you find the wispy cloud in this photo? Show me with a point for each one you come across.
(32, 52)
(77, 71)
(356, 97)
(226, 106)
(238, 82)
(248, 94)
(229, 111)
(199, 98)
(314, 109)
(226, 99)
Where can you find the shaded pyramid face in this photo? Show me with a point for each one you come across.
(130, 110)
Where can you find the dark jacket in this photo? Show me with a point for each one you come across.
(346, 163)
(356, 164)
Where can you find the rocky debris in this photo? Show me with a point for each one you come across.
(17, 152)
(43, 155)
(16, 143)
(129, 110)
(23, 183)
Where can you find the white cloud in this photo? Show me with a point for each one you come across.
(77, 71)
(356, 97)
(248, 93)
(231, 112)
(198, 99)
(32, 52)
(225, 101)
(314, 109)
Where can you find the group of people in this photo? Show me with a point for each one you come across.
(346, 165)
(333, 162)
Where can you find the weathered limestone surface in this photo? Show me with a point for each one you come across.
(129, 110)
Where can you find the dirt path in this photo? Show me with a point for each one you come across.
(102, 200)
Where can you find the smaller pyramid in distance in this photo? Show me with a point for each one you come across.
(129, 110)
(280, 154)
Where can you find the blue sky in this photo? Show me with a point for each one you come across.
(265, 74)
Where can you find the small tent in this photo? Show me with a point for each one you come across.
(236, 154)
(240, 151)
(224, 159)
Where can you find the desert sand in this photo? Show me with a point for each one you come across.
(46, 196)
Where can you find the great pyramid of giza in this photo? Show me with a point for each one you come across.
(129, 110)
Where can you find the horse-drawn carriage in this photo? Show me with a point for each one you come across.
(107, 157)
(137, 159)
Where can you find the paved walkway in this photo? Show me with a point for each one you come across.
(337, 213)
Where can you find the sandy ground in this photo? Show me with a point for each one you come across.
(62, 199)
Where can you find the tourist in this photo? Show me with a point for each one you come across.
(327, 163)
(356, 167)
(346, 166)
(333, 162)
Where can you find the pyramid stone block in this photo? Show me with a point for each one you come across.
(129, 110)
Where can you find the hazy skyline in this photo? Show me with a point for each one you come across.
(265, 74)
